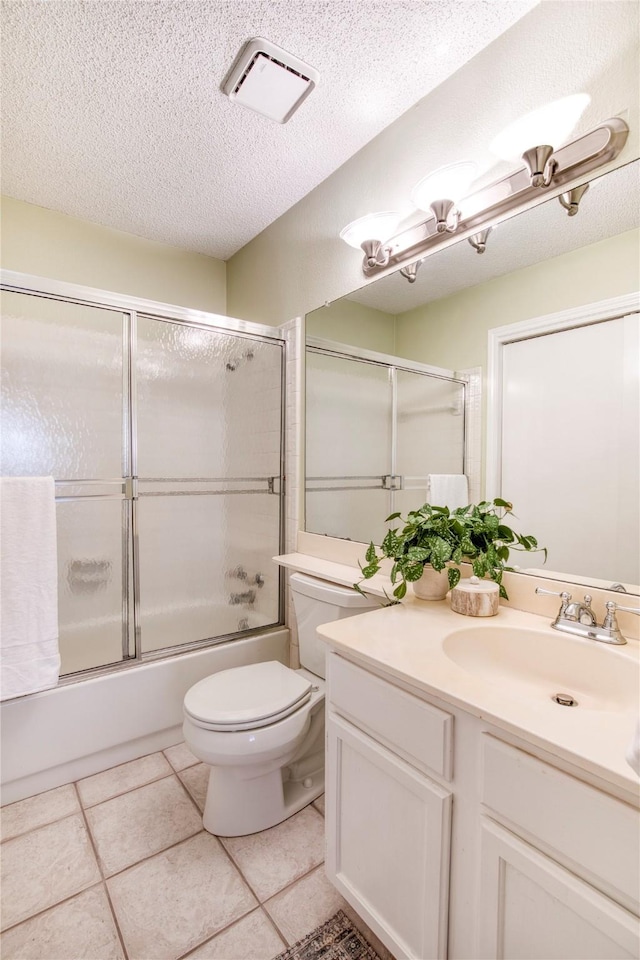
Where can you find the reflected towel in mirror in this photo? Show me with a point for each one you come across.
(448, 490)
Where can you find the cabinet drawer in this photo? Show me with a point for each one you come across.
(415, 730)
(597, 835)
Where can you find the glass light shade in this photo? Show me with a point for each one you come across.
(374, 226)
(446, 183)
(551, 124)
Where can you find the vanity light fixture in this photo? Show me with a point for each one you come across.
(410, 272)
(442, 190)
(368, 233)
(534, 137)
(479, 240)
(450, 217)
(571, 199)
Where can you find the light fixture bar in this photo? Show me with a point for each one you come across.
(504, 197)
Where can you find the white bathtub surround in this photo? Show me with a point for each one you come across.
(29, 654)
(78, 729)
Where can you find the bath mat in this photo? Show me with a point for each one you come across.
(337, 939)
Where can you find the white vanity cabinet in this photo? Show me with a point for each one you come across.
(388, 823)
(544, 866)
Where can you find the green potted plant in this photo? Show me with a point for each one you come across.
(442, 539)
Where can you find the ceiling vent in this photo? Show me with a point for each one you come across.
(267, 79)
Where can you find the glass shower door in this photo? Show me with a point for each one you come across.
(208, 508)
(429, 434)
(64, 394)
(349, 446)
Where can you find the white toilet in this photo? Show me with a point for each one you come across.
(261, 727)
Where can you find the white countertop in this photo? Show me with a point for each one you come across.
(404, 641)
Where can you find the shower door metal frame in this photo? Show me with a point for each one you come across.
(392, 481)
(130, 308)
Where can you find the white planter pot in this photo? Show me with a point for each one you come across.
(432, 585)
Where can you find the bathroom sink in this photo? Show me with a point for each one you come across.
(539, 664)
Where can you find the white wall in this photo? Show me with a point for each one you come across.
(452, 332)
(559, 48)
(50, 244)
(348, 322)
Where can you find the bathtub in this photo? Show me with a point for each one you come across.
(74, 731)
(98, 643)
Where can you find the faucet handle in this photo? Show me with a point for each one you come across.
(554, 593)
(612, 606)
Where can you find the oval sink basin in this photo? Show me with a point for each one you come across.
(539, 664)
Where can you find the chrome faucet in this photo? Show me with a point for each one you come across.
(579, 619)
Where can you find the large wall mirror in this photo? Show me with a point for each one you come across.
(390, 400)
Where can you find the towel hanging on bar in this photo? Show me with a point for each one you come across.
(29, 653)
(448, 490)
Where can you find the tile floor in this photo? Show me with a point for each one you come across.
(118, 867)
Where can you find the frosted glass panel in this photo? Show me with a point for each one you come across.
(202, 559)
(209, 404)
(61, 389)
(430, 434)
(348, 418)
(350, 514)
(90, 582)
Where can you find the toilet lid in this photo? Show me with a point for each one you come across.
(250, 696)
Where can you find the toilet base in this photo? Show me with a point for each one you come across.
(236, 806)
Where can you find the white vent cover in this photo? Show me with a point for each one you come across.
(267, 79)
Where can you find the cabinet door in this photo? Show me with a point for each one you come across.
(388, 838)
(530, 908)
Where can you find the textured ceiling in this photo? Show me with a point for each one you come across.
(611, 206)
(112, 110)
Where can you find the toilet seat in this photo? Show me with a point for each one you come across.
(247, 698)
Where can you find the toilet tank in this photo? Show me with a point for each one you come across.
(318, 601)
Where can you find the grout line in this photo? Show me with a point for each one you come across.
(224, 929)
(157, 853)
(275, 926)
(303, 876)
(122, 793)
(40, 826)
(188, 792)
(104, 884)
(53, 906)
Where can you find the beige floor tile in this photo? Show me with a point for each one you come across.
(82, 927)
(44, 867)
(17, 818)
(141, 823)
(305, 905)
(274, 858)
(110, 783)
(180, 756)
(196, 780)
(252, 938)
(319, 804)
(308, 903)
(175, 901)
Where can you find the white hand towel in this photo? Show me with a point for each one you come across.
(448, 490)
(29, 653)
(633, 751)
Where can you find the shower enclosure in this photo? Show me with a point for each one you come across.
(376, 428)
(163, 430)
